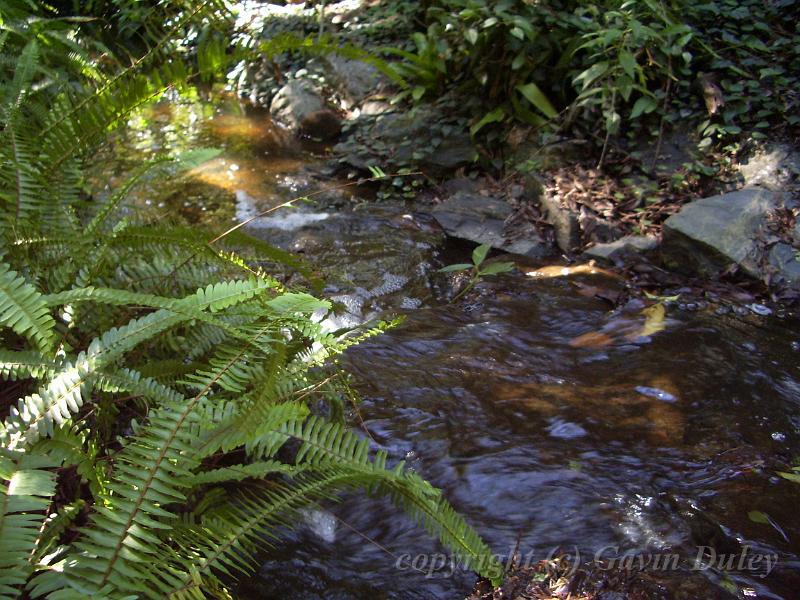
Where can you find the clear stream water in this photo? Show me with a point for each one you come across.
(652, 445)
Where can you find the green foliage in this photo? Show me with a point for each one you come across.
(617, 63)
(153, 369)
(477, 269)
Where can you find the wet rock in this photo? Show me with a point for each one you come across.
(710, 235)
(565, 223)
(481, 219)
(784, 266)
(298, 106)
(775, 167)
(629, 245)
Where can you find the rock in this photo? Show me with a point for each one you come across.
(775, 167)
(565, 222)
(626, 246)
(376, 107)
(710, 235)
(353, 79)
(298, 106)
(418, 137)
(481, 219)
(784, 266)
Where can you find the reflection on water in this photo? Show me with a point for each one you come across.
(661, 433)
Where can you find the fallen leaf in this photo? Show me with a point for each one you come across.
(551, 271)
(654, 321)
(593, 339)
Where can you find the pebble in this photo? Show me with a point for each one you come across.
(760, 309)
(656, 393)
(565, 430)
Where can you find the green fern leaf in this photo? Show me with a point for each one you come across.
(22, 309)
(26, 365)
(35, 415)
(26, 490)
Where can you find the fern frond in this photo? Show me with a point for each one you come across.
(36, 414)
(26, 489)
(255, 470)
(159, 165)
(26, 365)
(227, 538)
(130, 381)
(332, 446)
(23, 309)
(152, 473)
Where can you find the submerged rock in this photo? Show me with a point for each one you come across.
(298, 106)
(481, 219)
(711, 235)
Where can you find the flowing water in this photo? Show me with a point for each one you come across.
(651, 441)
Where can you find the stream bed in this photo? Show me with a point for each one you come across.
(661, 445)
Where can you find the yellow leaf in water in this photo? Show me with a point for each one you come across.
(563, 271)
(654, 321)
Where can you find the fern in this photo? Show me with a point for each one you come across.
(24, 499)
(166, 377)
(23, 309)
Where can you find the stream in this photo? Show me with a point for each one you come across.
(545, 439)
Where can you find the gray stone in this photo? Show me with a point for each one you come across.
(353, 79)
(565, 223)
(481, 219)
(401, 139)
(298, 106)
(376, 107)
(784, 266)
(775, 167)
(627, 246)
(710, 235)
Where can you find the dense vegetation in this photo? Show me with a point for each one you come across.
(621, 65)
(170, 400)
(148, 366)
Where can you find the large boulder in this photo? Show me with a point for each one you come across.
(298, 106)
(481, 219)
(711, 235)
